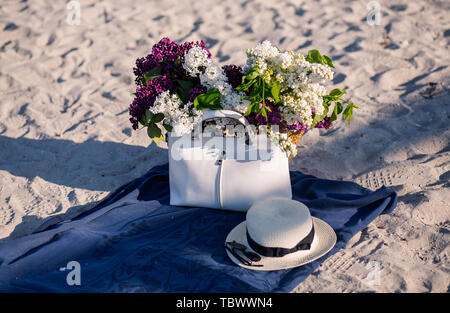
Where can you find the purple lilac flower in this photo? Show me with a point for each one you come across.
(197, 90)
(146, 95)
(164, 54)
(166, 50)
(167, 54)
(234, 74)
(273, 118)
(297, 126)
(144, 65)
(325, 123)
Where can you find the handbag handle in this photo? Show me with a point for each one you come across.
(211, 114)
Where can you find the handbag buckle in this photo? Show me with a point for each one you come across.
(221, 158)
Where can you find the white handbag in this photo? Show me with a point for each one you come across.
(206, 172)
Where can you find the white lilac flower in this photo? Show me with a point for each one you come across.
(301, 82)
(235, 102)
(301, 87)
(296, 110)
(263, 50)
(320, 73)
(214, 77)
(262, 56)
(284, 60)
(283, 142)
(179, 117)
(196, 59)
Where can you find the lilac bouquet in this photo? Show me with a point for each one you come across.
(176, 82)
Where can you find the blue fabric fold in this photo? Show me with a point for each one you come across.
(134, 241)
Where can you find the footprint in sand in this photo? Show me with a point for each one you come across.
(338, 263)
(375, 180)
(6, 215)
(348, 267)
(406, 175)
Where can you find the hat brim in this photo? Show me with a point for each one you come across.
(324, 241)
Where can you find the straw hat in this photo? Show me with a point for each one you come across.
(279, 234)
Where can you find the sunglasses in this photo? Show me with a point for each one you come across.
(240, 252)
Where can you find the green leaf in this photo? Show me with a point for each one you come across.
(251, 108)
(168, 127)
(264, 112)
(327, 60)
(142, 121)
(148, 115)
(185, 84)
(314, 56)
(155, 133)
(253, 98)
(336, 111)
(245, 86)
(348, 112)
(157, 118)
(337, 93)
(209, 100)
(146, 118)
(275, 91)
(252, 73)
(183, 88)
(152, 74)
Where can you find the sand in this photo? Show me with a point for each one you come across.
(65, 138)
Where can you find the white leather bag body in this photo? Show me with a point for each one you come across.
(225, 172)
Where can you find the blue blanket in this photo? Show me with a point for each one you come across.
(134, 241)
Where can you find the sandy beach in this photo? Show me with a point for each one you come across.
(66, 141)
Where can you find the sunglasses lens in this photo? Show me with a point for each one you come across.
(237, 256)
(237, 245)
(240, 246)
(243, 249)
(249, 254)
(252, 256)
